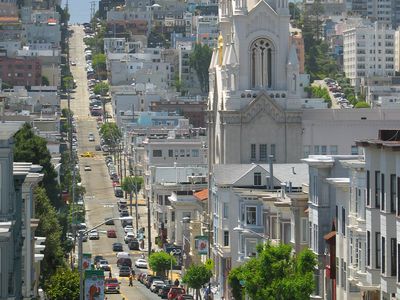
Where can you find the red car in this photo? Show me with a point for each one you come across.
(111, 285)
(175, 292)
(111, 233)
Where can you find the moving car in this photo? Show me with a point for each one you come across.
(97, 148)
(103, 265)
(87, 168)
(128, 237)
(94, 235)
(111, 233)
(111, 285)
(117, 247)
(87, 154)
(91, 137)
(109, 221)
(124, 271)
(124, 261)
(128, 228)
(141, 263)
(97, 258)
(133, 244)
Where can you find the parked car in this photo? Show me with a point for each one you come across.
(141, 277)
(185, 297)
(124, 261)
(163, 292)
(124, 271)
(133, 244)
(175, 292)
(97, 148)
(111, 233)
(156, 285)
(111, 285)
(94, 235)
(150, 279)
(103, 265)
(141, 263)
(117, 247)
(118, 192)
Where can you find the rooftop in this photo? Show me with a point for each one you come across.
(8, 129)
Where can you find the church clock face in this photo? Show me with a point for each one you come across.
(261, 52)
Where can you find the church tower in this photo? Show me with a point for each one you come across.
(254, 78)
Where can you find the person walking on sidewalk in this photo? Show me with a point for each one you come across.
(130, 280)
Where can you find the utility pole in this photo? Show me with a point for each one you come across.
(92, 14)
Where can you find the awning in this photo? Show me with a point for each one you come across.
(330, 235)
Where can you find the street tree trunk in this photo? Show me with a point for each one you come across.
(136, 211)
(130, 202)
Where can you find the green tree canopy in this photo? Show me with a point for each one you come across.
(45, 81)
(362, 104)
(101, 88)
(32, 148)
(196, 276)
(110, 133)
(200, 60)
(130, 184)
(67, 83)
(99, 62)
(160, 262)
(63, 285)
(275, 274)
(50, 228)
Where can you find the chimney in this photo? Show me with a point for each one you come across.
(271, 172)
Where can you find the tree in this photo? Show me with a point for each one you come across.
(45, 81)
(50, 228)
(133, 184)
(64, 284)
(275, 274)
(200, 60)
(362, 104)
(101, 88)
(110, 133)
(30, 147)
(67, 83)
(196, 276)
(160, 262)
(99, 64)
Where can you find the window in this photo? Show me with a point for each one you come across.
(273, 151)
(304, 230)
(393, 257)
(382, 191)
(251, 247)
(343, 221)
(392, 193)
(226, 238)
(195, 152)
(342, 273)
(157, 153)
(383, 255)
(253, 151)
(182, 153)
(251, 215)
(306, 151)
(170, 153)
(333, 149)
(377, 250)
(257, 178)
(398, 196)
(323, 150)
(316, 150)
(367, 191)
(263, 152)
(377, 189)
(226, 210)
(315, 238)
(354, 150)
(172, 216)
(368, 248)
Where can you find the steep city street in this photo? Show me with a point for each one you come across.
(99, 199)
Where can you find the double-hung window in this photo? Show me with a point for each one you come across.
(251, 215)
(257, 179)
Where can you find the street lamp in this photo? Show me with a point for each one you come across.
(80, 252)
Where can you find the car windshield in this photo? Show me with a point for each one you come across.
(112, 280)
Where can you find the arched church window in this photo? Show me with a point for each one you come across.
(261, 63)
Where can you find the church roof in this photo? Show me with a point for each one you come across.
(214, 56)
(230, 57)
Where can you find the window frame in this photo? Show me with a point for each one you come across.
(157, 151)
(257, 179)
(377, 189)
(226, 238)
(246, 215)
(263, 152)
(253, 152)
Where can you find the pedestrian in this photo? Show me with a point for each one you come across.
(130, 280)
(109, 274)
(176, 282)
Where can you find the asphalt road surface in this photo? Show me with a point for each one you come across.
(100, 202)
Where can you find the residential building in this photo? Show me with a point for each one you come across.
(186, 74)
(368, 50)
(248, 208)
(23, 71)
(206, 30)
